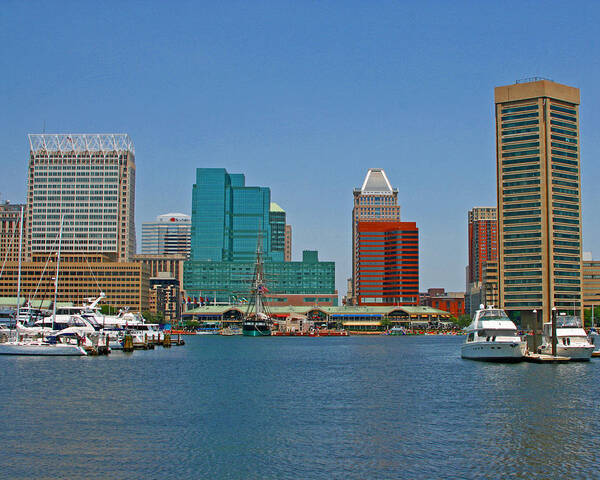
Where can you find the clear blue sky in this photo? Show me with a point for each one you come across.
(303, 97)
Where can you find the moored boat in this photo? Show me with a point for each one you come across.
(571, 339)
(492, 336)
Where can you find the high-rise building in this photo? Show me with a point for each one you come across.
(385, 250)
(287, 254)
(483, 249)
(277, 222)
(10, 215)
(89, 181)
(539, 202)
(483, 241)
(229, 219)
(169, 234)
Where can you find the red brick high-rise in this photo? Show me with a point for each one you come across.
(483, 241)
(385, 250)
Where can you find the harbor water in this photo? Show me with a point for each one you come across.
(298, 408)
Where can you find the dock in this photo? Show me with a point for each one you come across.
(544, 358)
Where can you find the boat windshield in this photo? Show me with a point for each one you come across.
(493, 315)
(568, 321)
(497, 333)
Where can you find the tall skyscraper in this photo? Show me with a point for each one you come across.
(385, 250)
(228, 219)
(483, 241)
(89, 180)
(539, 214)
(169, 234)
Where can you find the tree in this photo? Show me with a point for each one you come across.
(462, 321)
(587, 316)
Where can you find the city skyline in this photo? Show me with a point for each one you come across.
(345, 89)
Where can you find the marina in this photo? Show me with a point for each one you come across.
(355, 407)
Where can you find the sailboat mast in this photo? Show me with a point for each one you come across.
(20, 262)
(57, 267)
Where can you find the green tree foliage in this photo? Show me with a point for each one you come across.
(462, 321)
(587, 316)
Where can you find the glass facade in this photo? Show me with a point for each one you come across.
(228, 219)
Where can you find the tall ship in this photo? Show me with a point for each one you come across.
(257, 321)
(492, 336)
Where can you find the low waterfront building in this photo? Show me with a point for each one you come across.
(451, 302)
(302, 300)
(80, 278)
(358, 319)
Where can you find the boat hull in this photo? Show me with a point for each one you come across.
(41, 350)
(494, 351)
(259, 329)
(575, 353)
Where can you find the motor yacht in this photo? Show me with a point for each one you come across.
(571, 339)
(492, 336)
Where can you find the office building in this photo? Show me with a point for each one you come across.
(164, 298)
(277, 223)
(483, 241)
(229, 220)
(88, 180)
(168, 235)
(10, 215)
(591, 284)
(482, 249)
(385, 250)
(539, 202)
(80, 278)
(287, 253)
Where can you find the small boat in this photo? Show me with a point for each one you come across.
(571, 339)
(492, 336)
(40, 348)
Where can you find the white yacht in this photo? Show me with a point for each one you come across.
(41, 348)
(571, 339)
(492, 336)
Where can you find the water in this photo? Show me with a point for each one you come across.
(298, 408)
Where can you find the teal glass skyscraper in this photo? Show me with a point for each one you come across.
(228, 220)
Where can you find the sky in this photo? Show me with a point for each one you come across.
(302, 97)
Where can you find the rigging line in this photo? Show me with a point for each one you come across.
(92, 272)
(31, 298)
(9, 247)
